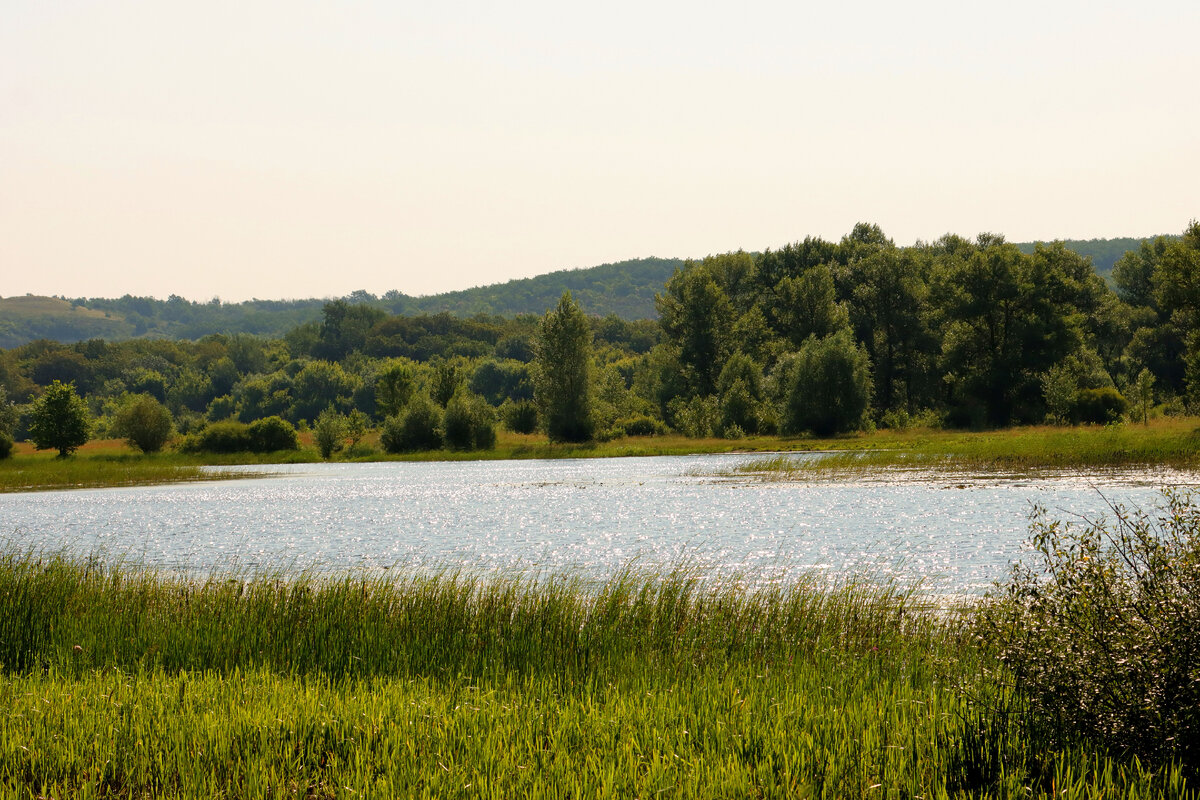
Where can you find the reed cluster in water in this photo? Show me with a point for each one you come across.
(1165, 445)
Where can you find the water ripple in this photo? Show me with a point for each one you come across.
(590, 516)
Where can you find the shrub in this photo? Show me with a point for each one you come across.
(356, 428)
(469, 423)
(272, 433)
(360, 450)
(520, 416)
(1100, 406)
(1102, 633)
(738, 409)
(6, 446)
(391, 434)
(483, 421)
(189, 421)
(328, 431)
(641, 426)
(229, 436)
(261, 436)
(144, 423)
(696, 418)
(416, 428)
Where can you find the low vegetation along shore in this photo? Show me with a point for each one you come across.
(1170, 442)
(122, 683)
(1167, 443)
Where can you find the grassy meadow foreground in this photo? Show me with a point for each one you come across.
(121, 683)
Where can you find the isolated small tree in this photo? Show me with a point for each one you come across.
(144, 423)
(1144, 393)
(1059, 389)
(562, 373)
(328, 431)
(356, 427)
(8, 413)
(8, 421)
(59, 420)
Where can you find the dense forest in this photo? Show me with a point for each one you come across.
(625, 289)
(816, 336)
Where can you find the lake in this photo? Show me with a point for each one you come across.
(585, 516)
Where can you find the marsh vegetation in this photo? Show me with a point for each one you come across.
(124, 683)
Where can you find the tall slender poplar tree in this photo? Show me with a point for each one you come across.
(562, 373)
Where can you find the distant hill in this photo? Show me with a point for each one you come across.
(1103, 252)
(23, 319)
(625, 288)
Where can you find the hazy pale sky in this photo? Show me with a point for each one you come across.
(295, 149)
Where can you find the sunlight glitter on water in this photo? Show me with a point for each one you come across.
(589, 517)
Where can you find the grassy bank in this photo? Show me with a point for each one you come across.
(118, 683)
(113, 463)
(1166, 442)
(41, 473)
(1172, 443)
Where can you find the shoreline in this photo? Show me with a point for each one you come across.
(1168, 443)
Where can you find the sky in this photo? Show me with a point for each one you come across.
(309, 149)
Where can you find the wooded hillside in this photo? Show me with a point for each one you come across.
(625, 289)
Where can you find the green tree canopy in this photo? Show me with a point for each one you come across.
(394, 386)
(831, 386)
(144, 423)
(59, 420)
(696, 315)
(320, 384)
(328, 432)
(562, 373)
(8, 413)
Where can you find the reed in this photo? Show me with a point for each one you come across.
(60, 613)
(117, 682)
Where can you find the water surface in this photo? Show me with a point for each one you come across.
(589, 516)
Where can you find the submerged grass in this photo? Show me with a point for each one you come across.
(116, 682)
(42, 473)
(1173, 443)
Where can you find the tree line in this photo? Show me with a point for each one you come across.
(816, 336)
(626, 289)
(828, 336)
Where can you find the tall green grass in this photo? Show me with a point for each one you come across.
(116, 682)
(68, 615)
